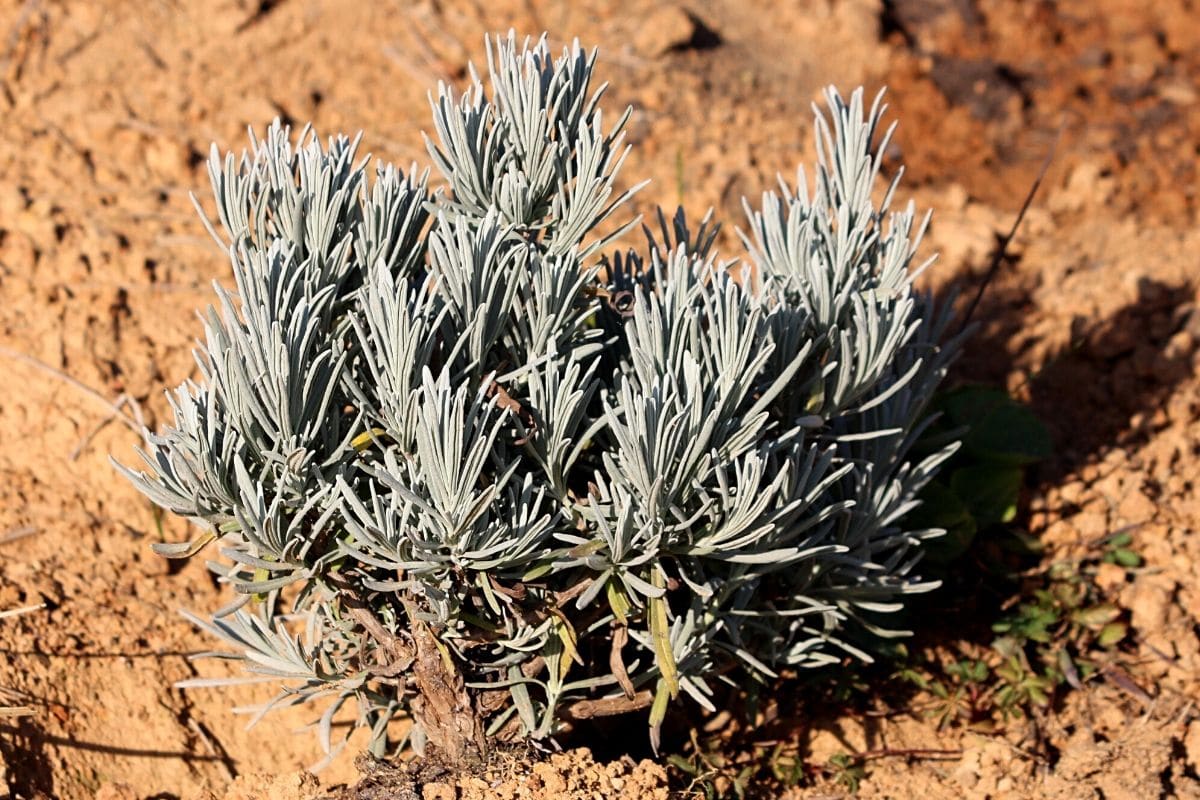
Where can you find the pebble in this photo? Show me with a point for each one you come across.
(1148, 603)
(968, 770)
(1091, 525)
(665, 29)
(1072, 492)
(1110, 577)
(552, 780)
(1136, 507)
(167, 156)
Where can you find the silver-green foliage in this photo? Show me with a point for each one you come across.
(613, 477)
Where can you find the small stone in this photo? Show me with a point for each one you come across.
(1072, 492)
(472, 785)
(1180, 345)
(1148, 605)
(1059, 533)
(1110, 577)
(968, 770)
(1086, 185)
(667, 28)
(437, 791)
(1136, 506)
(167, 156)
(1177, 92)
(1091, 525)
(552, 781)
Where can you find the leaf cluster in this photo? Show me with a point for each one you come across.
(1059, 632)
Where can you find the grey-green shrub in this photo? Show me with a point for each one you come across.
(467, 463)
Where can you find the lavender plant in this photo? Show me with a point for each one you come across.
(467, 462)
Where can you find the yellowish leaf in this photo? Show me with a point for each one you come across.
(365, 440)
(660, 633)
(570, 643)
(618, 601)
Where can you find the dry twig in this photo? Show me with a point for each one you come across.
(113, 407)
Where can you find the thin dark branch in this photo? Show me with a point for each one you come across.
(1002, 245)
(18, 533)
(916, 752)
(113, 407)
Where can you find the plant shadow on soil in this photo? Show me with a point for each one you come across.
(22, 748)
(1114, 370)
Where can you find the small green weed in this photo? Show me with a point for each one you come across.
(847, 770)
(1117, 550)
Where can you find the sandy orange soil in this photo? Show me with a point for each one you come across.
(107, 113)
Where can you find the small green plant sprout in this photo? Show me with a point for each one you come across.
(1117, 550)
(464, 458)
(847, 771)
(1053, 638)
(959, 691)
